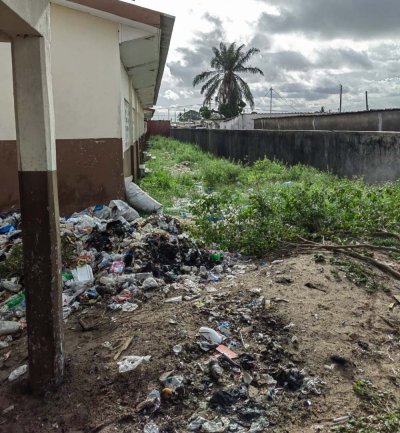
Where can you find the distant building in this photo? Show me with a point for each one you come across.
(246, 120)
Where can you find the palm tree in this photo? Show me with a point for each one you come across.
(224, 80)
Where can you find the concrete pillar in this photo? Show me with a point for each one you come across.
(39, 207)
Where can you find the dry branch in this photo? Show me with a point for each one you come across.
(344, 250)
(343, 247)
(387, 234)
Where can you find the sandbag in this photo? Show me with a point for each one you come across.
(138, 199)
(121, 209)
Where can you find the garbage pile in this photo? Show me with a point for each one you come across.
(113, 256)
(236, 375)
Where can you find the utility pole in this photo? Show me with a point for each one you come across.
(270, 101)
(341, 93)
(168, 115)
(366, 100)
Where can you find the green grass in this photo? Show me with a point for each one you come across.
(257, 209)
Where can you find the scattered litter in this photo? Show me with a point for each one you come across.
(83, 274)
(117, 267)
(211, 335)
(151, 404)
(149, 284)
(130, 363)
(129, 307)
(8, 409)
(18, 372)
(151, 428)
(8, 327)
(341, 419)
(226, 351)
(174, 300)
(11, 285)
(177, 349)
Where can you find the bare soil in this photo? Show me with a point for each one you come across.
(318, 320)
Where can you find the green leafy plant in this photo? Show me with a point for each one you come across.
(255, 209)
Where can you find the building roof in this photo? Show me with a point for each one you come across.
(145, 36)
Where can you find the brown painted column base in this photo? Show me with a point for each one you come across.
(42, 267)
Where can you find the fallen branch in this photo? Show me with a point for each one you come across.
(389, 322)
(123, 347)
(387, 234)
(343, 249)
(311, 244)
(315, 287)
(385, 268)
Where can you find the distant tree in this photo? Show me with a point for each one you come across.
(205, 112)
(224, 79)
(189, 115)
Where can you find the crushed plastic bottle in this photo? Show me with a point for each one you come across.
(18, 372)
(15, 301)
(213, 276)
(10, 286)
(151, 428)
(9, 327)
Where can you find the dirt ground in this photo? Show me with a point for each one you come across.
(317, 320)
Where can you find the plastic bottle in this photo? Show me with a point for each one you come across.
(151, 428)
(15, 300)
(18, 372)
(9, 327)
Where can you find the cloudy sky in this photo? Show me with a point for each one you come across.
(307, 49)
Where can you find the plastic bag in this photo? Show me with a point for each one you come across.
(137, 198)
(120, 208)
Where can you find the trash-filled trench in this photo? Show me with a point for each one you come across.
(161, 335)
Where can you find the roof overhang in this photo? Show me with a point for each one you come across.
(149, 113)
(145, 36)
(17, 18)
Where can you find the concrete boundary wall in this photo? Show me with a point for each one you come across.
(377, 120)
(373, 155)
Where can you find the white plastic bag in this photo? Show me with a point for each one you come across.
(130, 363)
(120, 208)
(137, 198)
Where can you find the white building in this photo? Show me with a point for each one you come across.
(107, 62)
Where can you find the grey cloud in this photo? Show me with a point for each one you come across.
(336, 58)
(354, 19)
(213, 19)
(289, 61)
(260, 41)
(198, 56)
(308, 83)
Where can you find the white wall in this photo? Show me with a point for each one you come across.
(90, 83)
(242, 121)
(86, 75)
(7, 117)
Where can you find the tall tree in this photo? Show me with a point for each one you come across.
(224, 79)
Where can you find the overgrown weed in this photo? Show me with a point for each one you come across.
(259, 208)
